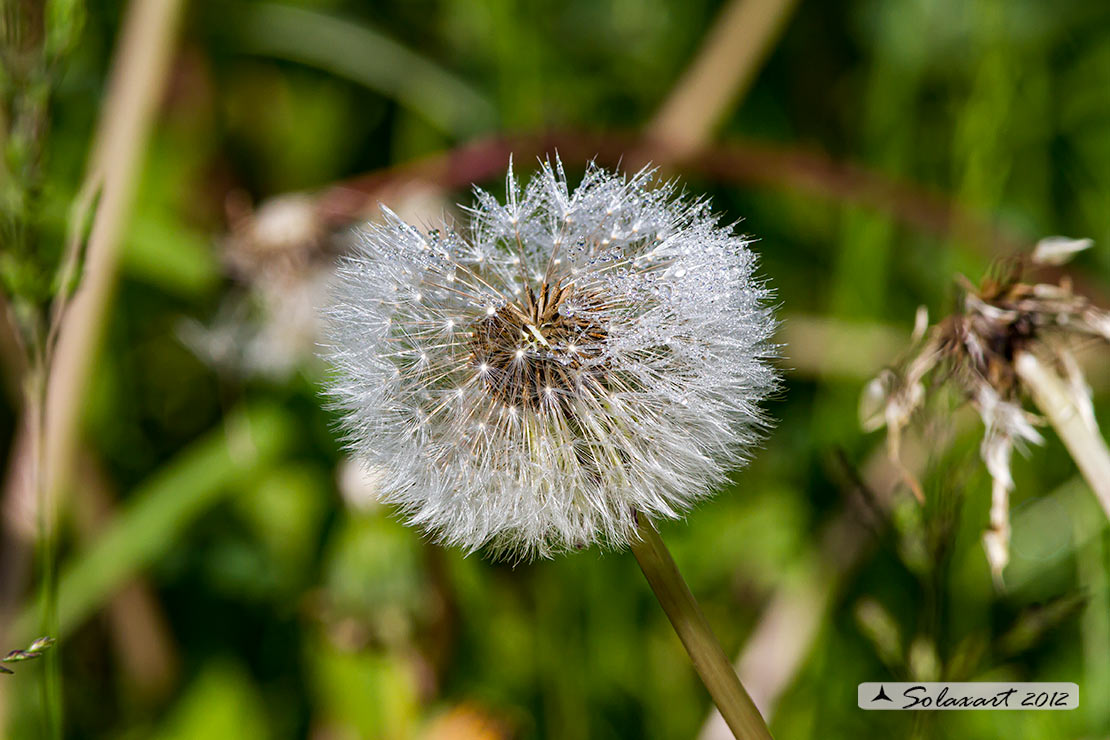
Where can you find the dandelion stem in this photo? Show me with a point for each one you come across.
(709, 659)
(1085, 444)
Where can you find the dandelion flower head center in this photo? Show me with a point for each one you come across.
(541, 349)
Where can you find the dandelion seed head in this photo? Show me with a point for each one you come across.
(585, 354)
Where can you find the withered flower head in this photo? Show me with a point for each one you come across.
(979, 349)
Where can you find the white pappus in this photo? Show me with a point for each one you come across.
(570, 358)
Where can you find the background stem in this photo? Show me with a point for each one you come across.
(1054, 399)
(743, 34)
(138, 79)
(709, 659)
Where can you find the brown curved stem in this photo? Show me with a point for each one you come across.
(738, 163)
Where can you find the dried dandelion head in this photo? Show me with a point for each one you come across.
(570, 358)
(979, 349)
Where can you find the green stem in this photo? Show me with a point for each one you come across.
(714, 669)
(34, 405)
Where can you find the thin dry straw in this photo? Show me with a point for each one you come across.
(1084, 443)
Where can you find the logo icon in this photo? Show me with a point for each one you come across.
(882, 695)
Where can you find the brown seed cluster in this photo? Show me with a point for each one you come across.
(1003, 316)
(535, 353)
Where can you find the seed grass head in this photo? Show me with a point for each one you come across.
(34, 650)
(530, 381)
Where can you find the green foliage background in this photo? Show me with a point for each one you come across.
(279, 611)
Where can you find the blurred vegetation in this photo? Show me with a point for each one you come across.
(222, 571)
